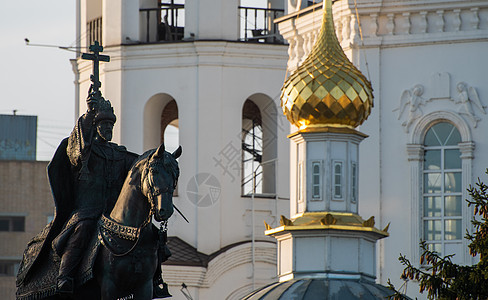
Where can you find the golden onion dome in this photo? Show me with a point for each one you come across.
(327, 89)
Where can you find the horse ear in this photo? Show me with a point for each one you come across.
(177, 152)
(160, 151)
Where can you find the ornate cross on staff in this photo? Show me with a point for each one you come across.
(96, 57)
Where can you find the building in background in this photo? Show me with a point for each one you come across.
(326, 250)
(26, 203)
(18, 136)
(426, 142)
(211, 71)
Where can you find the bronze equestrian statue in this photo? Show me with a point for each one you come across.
(104, 195)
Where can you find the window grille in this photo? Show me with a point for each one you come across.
(338, 180)
(442, 188)
(8, 223)
(316, 180)
(354, 182)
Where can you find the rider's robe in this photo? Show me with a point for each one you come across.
(75, 200)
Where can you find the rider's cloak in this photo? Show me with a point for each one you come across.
(38, 256)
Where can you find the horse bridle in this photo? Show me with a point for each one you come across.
(133, 233)
(152, 191)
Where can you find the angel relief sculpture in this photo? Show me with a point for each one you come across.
(466, 99)
(413, 100)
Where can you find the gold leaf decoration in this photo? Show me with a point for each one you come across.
(327, 89)
(328, 220)
(369, 222)
(285, 222)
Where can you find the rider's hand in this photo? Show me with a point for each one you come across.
(92, 103)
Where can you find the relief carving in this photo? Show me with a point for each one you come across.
(467, 97)
(412, 99)
(467, 102)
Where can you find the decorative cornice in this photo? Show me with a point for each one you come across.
(328, 130)
(189, 55)
(388, 24)
(334, 221)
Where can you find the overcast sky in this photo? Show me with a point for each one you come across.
(38, 80)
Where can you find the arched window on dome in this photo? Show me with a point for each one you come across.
(442, 219)
(258, 146)
(170, 128)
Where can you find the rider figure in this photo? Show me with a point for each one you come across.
(86, 176)
(98, 171)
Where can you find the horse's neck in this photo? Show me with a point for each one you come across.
(131, 208)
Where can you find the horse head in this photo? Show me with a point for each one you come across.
(159, 180)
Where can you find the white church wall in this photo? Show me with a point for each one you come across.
(401, 69)
(210, 81)
(140, 80)
(205, 24)
(403, 47)
(120, 22)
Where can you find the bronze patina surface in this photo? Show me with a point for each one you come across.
(82, 255)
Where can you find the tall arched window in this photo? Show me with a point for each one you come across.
(252, 149)
(440, 155)
(259, 145)
(443, 189)
(170, 129)
(169, 126)
(160, 110)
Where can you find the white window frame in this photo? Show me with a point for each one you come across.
(313, 197)
(334, 183)
(415, 153)
(442, 194)
(354, 182)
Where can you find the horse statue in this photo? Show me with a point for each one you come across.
(124, 253)
(129, 258)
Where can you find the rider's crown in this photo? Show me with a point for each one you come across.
(105, 111)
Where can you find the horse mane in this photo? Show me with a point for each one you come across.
(144, 156)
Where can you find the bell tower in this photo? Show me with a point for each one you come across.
(208, 72)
